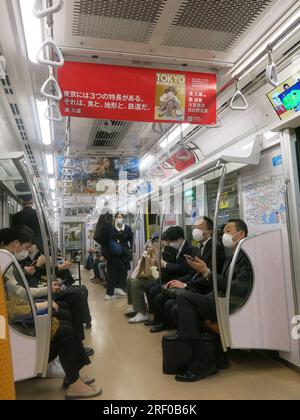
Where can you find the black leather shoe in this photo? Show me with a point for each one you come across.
(172, 338)
(222, 361)
(150, 323)
(158, 328)
(197, 374)
(89, 352)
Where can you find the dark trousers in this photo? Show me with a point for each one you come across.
(116, 274)
(96, 269)
(73, 298)
(162, 309)
(85, 309)
(192, 308)
(69, 348)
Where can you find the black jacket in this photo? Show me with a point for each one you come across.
(28, 217)
(242, 282)
(195, 281)
(180, 267)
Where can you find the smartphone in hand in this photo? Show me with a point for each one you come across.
(189, 257)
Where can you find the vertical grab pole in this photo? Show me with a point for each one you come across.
(160, 240)
(214, 256)
(50, 264)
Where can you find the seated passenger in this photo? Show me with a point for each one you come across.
(165, 302)
(171, 269)
(64, 340)
(194, 307)
(143, 277)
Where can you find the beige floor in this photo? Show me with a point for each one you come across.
(127, 365)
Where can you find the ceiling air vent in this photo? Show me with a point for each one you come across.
(213, 25)
(122, 20)
(107, 134)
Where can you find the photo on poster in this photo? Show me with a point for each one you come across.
(170, 97)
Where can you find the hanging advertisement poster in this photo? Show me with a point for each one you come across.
(100, 168)
(108, 92)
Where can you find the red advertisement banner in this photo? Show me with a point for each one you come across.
(137, 94)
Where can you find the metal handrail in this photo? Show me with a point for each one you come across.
(23, 168)
(214, 254)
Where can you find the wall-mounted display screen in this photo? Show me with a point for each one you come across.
(285, 99)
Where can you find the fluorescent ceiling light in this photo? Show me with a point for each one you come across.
(52, 184)
(238, 70)
(32, 29)
(146, 162)
(173, 136)
(44, 123)
(50, 164)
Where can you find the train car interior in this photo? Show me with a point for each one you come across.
(149, 200)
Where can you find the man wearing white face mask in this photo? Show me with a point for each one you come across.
(194, 307)
(165, 307)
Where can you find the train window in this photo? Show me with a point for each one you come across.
(229, 206)
(20, 314)
(242, 286)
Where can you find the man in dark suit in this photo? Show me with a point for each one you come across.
(28, 217)
(177, 268)
(193, 281)
(194, 307)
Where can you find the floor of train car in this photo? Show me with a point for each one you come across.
(127, 365)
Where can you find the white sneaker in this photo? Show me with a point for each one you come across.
(138, 318)
(129, 310)
(55, 370)
(108, 297)
(120, 292)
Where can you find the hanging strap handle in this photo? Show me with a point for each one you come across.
(50, 112)
(58, 96)
(51, 44)
(271, 70)
(238, 95)
(40, 12)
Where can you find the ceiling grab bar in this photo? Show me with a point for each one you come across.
(238, 95)
(55, 87)
(271, 70)
(50, 113)
(40, 12)
(51, 44)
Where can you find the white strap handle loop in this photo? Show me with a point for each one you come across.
(238, 95)
(58, 96)
(40, 12)
(51, 44)
(271, 71)
(51, 111)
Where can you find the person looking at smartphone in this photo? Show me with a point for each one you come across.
(194, 307)
(165, 305)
